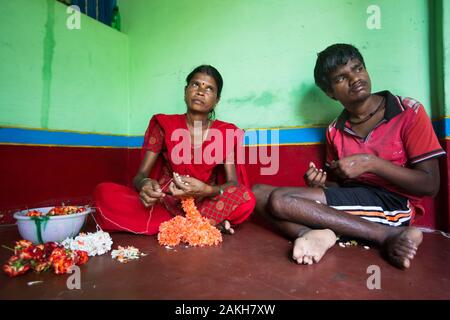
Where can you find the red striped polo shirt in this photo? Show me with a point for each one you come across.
(405, 137)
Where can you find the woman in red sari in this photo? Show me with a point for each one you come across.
(183, 155)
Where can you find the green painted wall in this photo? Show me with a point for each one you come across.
(266, 51)
(436, 63)
(440, 53)
(446, 54)
(99, 80)
(53, 77)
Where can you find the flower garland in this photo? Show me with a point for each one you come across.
(193, 229)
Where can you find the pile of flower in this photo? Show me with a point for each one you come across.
(96, 243)
(42, 257)
(125, 254)
(57, 211)
(192, 229)
(34, 213)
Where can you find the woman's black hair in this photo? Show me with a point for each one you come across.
(330, 59)
(210, 71)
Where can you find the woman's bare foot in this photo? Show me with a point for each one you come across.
(225, 227)
(311, 247)
(402, 246)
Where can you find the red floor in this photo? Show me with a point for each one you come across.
(252, 264)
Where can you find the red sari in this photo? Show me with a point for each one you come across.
(119, 207)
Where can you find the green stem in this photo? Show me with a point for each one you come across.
(8, 248)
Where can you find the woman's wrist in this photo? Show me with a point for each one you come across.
(208, 190)
(142, 182)
(212, 191)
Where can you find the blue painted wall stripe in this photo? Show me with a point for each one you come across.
(283, 136)
(44, 137)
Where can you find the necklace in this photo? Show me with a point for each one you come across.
(370, 115)
(193, 128)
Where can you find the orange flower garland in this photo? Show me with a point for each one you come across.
(193, 229)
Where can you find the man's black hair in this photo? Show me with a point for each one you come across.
(330, 59)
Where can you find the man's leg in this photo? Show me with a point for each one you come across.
(299, 206)
(310, 245)
(262, 194)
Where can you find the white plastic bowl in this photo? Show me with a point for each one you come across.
(55, 229)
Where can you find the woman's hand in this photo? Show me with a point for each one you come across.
(150, 192)
(185, 186)
(315, 178)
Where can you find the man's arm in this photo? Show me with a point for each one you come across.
(422, 179)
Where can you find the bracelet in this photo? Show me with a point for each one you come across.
(141, 183)
(220, 190)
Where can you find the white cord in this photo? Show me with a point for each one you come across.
(429, 230)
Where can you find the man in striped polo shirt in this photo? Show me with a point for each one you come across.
(381, 160)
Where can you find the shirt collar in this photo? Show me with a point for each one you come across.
(392, 109)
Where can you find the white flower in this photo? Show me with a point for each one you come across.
(97, 243)
(125, 254)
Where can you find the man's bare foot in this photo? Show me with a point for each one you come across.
(311, 247)
(225, 227)
(402, 246)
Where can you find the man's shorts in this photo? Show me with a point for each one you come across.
(371, 203)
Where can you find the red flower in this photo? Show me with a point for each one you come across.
(41, 257)
(32, 253)
(40, 266)
(65, 210)
(61, 260)
(49, 247)
(21, 245)
(16, 266)
(34, 213)
(82, 257)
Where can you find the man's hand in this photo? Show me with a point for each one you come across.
(150, 193)
(315, 178)
(353, 166)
